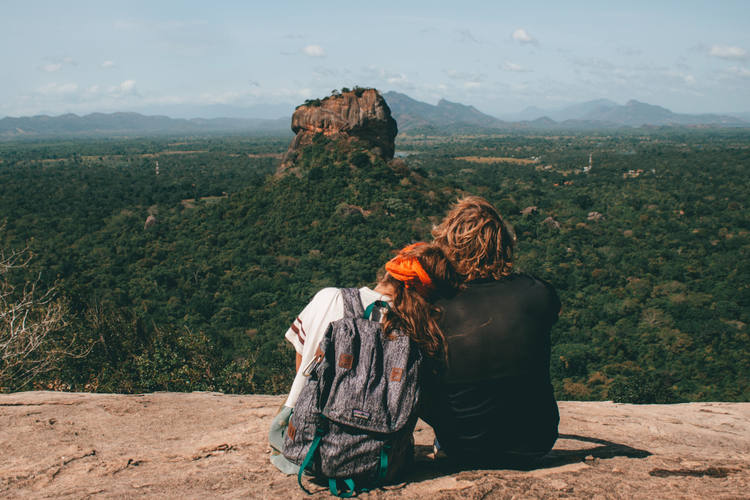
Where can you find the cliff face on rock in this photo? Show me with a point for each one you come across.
(209, 445)
(361, 114)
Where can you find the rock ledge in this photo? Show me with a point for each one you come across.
(197, 445)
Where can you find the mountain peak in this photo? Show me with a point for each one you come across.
(446, 116)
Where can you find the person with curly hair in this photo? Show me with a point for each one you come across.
(491, 403)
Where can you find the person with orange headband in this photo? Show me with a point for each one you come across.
(413, 281)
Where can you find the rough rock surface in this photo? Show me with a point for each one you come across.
(208, 445)
(360, 114)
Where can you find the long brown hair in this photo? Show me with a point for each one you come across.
(477, 239)
(413, 311)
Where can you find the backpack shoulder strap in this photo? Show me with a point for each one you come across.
(352, 303)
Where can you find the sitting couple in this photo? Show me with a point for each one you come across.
(483, 331)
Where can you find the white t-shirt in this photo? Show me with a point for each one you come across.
(308, 328)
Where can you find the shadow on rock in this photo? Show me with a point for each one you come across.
(426, 468)
(606, 449)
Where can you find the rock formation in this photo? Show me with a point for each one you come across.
(209, 445)
(360, 114)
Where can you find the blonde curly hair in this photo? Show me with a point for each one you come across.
(477, 239)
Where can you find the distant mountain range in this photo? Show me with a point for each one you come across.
(411, 115)
(632, 114)
(447, 116)
(125, 124)
(572, 112)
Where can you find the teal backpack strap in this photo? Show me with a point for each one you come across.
(334, 487)
(383, 469)
(319, 433)
(371, 307)
(352, 489)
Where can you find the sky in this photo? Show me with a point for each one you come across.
(219, 58)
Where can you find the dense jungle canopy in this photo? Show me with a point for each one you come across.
(648, 251)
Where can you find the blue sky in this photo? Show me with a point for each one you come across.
(198, 58)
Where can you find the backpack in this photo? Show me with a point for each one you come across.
(354, 419)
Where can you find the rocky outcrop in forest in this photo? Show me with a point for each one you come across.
(359, 114)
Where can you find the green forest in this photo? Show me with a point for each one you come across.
(178, 263)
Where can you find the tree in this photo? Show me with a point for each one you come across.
(28, 318)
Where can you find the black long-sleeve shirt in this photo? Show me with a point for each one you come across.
(494, 402)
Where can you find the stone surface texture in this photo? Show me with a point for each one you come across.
(209, 445)
(362, 115)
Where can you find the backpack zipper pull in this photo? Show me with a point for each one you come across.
(313, 364)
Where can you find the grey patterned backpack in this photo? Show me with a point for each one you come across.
(354, 419)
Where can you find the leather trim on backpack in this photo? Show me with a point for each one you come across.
(346, 361)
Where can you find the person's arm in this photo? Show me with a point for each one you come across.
(307, 331)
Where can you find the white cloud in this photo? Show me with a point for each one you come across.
(740, 71)
(398, 79)
(52, 67)
(465, 80)
(107, 64)
(511, 66)
(314, 51)
(686, 78)
(226, 97)
(58, 88)
(523, 36)
(55, 64)
(461, 75)
(374, 74)
(125, 88)
(727, 52)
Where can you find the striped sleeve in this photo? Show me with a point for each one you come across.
(299, 330)
(308, 329)
(311, 323)
(296, 336)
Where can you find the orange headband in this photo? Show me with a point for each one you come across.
(408, 270)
